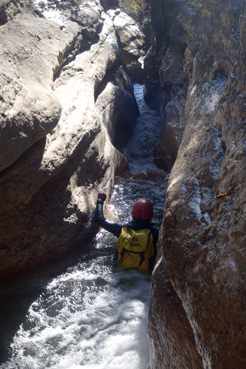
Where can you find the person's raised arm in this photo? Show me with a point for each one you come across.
(101, 197)
(114, 228)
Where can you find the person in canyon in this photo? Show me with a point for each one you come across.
(136, 246)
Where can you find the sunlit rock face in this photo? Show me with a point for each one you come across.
(197, 309)
(134, 43)
(131, 37)
(63, 94)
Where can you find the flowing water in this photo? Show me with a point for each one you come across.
(89, 315)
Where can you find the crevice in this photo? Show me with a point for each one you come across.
(69, 55)
(3, 18)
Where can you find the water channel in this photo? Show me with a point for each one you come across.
(88, 315)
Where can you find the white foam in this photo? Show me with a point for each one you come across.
(87, 318)
(51, 13)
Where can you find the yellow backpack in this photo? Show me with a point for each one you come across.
(135, 248)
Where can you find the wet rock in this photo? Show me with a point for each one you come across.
(203, 233)
(57, 147)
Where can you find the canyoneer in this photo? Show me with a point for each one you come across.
(136, 246)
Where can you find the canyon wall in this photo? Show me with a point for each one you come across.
(64, 96)
(196, 75)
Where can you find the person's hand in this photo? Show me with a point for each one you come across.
(101, 197)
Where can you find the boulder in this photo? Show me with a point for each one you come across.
(57, 145)
(134, 43)
(197, 307)
(172, 132)
(114, 110)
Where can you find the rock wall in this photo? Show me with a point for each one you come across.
(197, 308)
(134, 43)
(64, 94)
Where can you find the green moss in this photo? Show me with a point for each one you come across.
(137, 9)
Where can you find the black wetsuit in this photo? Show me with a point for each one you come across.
(136, 224)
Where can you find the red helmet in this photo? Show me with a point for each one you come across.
(142, 209)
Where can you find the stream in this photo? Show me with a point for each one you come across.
(88, 315)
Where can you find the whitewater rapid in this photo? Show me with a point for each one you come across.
(90, 315)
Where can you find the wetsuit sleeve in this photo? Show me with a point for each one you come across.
(114, 228)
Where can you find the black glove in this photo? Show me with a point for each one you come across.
(101, 197)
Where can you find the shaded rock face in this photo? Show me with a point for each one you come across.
(165, 78)
(57, 128)
(197, 309)
(110, 4)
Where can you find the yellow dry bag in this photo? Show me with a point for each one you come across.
(135, 248)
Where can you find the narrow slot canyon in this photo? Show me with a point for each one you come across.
(138, 99)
